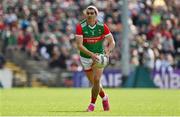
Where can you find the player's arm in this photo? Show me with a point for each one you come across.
(79, 41)
(109, 42)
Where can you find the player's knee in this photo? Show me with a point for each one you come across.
(96, 81)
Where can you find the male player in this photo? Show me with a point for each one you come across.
(93, 37)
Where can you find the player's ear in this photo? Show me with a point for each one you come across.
(85, 11)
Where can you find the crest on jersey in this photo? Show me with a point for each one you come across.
(92, 32)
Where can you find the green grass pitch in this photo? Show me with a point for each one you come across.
(74, 101)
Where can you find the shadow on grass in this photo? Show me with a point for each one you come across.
(74, 111)
(61, 111)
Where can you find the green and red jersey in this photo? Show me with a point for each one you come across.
(93, 36)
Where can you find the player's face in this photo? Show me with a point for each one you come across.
(90, 13)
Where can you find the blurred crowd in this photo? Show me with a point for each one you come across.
(155, 28)
(44, 29)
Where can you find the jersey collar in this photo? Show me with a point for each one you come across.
(92, 27)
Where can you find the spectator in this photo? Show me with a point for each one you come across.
(52, 23)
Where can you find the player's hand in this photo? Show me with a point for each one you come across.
(107, 53)
(94, 57)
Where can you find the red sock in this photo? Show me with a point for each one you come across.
(102, 94)
(93, 100)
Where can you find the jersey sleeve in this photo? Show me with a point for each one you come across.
(106, 30)
(79, 30)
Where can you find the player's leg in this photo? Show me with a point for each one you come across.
(96, 88)
(105, 103)
(96, 83)
(90, 76)
(87, 63)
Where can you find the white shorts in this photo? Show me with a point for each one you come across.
(86, 63)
